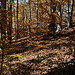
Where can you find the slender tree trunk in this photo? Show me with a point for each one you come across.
(71, 12)
(60, 16)
(29, 12)
(46, 21)
(37, 17)
(41, 15)
(26, 15)
(0, 21)
(29, 29)
(50, 16)
(8, 31)
(25, 18)
(14, 21)
(74, 56)
(51, 27)
(10, 23)
(23, 21)
(18, 36)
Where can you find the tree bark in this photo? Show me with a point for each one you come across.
(3, 27)
(37, 17)
(10, 23)
(3, 19)
(18, 36)
(29, 29)
(71, 12)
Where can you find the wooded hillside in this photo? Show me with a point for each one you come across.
(37, 37)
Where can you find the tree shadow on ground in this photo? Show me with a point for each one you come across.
(66, 34)
(59, 35)
(55, 46)
(21, 48)
(41, 58)
(26, 69)
(68, 44)
(19, 69)
(68, 70)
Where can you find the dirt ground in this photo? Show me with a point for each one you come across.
(54, 52)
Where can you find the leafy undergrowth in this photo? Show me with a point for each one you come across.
(43, 56)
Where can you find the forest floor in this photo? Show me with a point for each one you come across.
(52, 53)
(41, 55)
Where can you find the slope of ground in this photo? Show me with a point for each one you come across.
(54, 52)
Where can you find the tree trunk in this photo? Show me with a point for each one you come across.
(37, 18)
(3, 19)
(18, 36)
(71, 12)
(3, 27)
(29, 29)
(23, 16)
(14, 21)
(59, 23)
(10, 23)
(51, 27)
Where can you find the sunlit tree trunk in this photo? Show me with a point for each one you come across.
(67, 14)
(59, 23)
